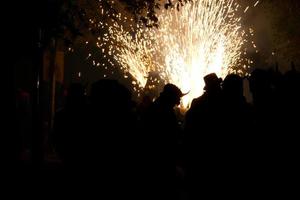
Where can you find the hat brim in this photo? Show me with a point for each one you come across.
(219, 82)
(183, 94)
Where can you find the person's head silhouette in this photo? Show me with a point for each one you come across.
(171, 94)
(212, 82)
(233, 85)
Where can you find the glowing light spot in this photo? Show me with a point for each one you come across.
(202, 37)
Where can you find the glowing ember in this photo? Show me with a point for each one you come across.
(256, 3)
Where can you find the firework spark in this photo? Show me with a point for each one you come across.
(134, 52)
(203, 36)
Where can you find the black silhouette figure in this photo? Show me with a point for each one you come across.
(265, 114)
(289, 137)
(161, 129)
(238, 141)
(237, 112)
(97, 141)
(69, 126)
(206, 110)
(292, 93)
(110, 138)
(204, 140)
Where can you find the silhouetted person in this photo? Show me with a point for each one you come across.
(204, 139)
(289, 140)
(206, 110)
(163, 108)
(269, 124)
(161, 128)
(292, 96)
(109, 140)
(237, 112)
(260, 86)
(237, 128)
(69, 126)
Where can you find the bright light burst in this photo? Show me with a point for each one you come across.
(134, 52)
(202, 37)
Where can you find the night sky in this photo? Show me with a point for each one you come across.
(275, 31)
(275, 23)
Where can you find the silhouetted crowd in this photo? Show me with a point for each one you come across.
(225, 145)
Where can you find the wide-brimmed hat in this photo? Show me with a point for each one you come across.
(171, 89)
(211, 80)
